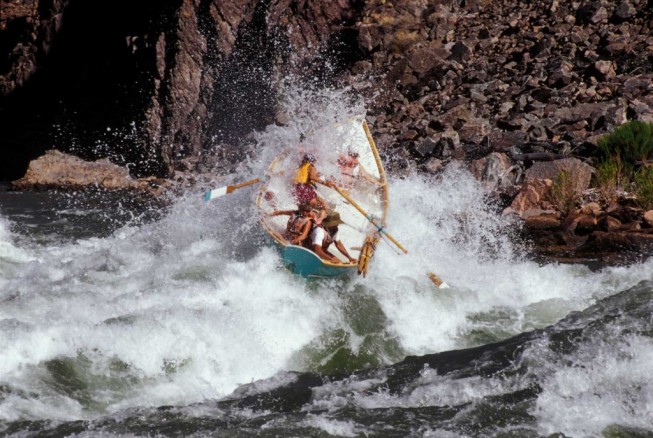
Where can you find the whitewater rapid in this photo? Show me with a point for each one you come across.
(189, 307)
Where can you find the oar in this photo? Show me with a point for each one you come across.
(437, 281)
(369, 218)
(216, 193)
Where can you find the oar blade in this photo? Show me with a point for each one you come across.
(437, 281)
(215, 193)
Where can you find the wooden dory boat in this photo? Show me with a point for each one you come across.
(358, 234)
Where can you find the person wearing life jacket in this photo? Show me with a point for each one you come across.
(299, 223)
(351, 170)
(326, 233)
(304, 186)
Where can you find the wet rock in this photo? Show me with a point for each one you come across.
(534, 199)
(609, 223)
(585, 224)
(58, 170)
(499, 74)
(542, 222)
(604, 242)
(494, 171)
(648, 218)
(426, 147)
(434, 165)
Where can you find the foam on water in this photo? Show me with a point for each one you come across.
(608, 383)
(9, 253)
(184, 319)
(192, 306)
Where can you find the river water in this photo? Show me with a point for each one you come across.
(122, 318)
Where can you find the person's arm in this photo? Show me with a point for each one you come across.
(369, 177)
(306, 229)
(317, 249)
(282, 213)
(315, 176)
(344, 252)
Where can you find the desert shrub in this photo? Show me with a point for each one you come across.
(632, 142)
(608, 178)
(643, 187)
(564, 192)
(620, 155)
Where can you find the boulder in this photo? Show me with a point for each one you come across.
(581, 172)
(542, 222)
(609, 223)
(648, 218)
(534, 199)
(585, 224)
(58, 170)
(494, 171)
(591, 208)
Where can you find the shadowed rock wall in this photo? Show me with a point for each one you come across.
(154, 84)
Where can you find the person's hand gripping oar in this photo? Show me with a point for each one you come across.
(221, 191)
(437, 281)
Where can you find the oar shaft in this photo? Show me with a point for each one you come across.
(244, 184)
(369, 218)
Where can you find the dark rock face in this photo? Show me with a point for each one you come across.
(154, 84)
(89, 82)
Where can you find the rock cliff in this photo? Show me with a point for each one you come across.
(162, 84)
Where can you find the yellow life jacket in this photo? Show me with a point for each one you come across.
(303, 174)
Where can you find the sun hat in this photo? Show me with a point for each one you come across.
(332, 220)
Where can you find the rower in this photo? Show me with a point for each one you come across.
(326, 233)
(299, 223)
(304, 186)
(351, 170)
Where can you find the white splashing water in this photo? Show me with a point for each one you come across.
(194, 305)
(607, 383)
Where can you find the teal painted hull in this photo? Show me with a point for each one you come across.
(306, 263)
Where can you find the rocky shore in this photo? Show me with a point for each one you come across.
(518, 91)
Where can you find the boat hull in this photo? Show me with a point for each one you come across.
(307, 264)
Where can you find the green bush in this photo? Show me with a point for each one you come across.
(620, 156)
(608, 178)
(632, 142)
(643, 187)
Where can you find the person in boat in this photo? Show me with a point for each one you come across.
(300, 223)
(304, 186)
(351, 170)
(326, 233)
